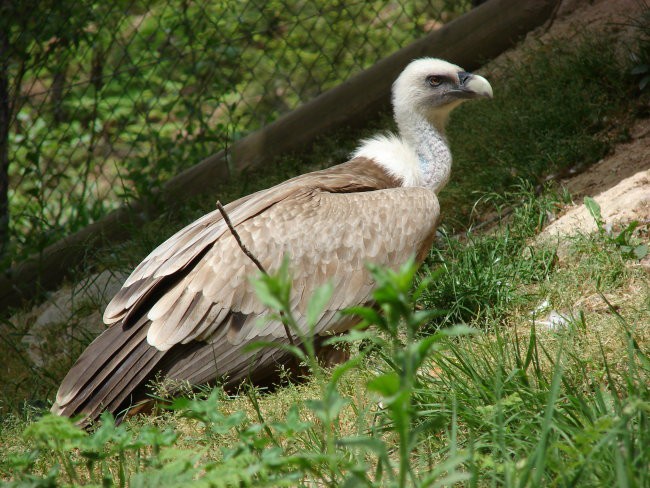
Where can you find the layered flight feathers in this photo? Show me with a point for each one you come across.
(182, 248)
(188, 310)
(328, 237)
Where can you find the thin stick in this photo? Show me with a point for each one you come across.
(549, 23)
(238, 239)
(252, 257)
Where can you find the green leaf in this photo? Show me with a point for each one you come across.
(386, 384)
(422, 316)
(338, 372)
(179, 469)
(106, 440)
(267, 295)
(422, 347)
(369, 315)
(623, 238)
(352, 337)
(458, 330)
(53, 431)
(594, 210)
(292, 424)
(640, 251)
(274, 290)
(317, 303)
(644, 82)
(294, 350)
(640, 69)
(328, 408)
(153, 436)
(371, 444)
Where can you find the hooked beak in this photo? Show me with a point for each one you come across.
(473, 86)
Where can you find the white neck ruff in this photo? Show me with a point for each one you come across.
(420, 156)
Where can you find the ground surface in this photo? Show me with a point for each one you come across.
(619, 183)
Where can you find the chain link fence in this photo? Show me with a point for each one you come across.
(101, 102)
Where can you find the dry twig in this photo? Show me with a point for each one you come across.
(252, 257)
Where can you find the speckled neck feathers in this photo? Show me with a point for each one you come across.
(423, 96)
(431, 149)
(419, 156)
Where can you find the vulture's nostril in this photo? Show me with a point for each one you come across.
(463, 76)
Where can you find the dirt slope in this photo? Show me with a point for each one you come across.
(619, 183)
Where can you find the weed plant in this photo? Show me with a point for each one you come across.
(481, 275)
(456, 407)
(623, 240)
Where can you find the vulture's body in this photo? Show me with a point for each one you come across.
(188, 310)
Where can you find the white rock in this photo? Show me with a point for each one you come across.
(555, 321)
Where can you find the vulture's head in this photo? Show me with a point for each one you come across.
(433, 88)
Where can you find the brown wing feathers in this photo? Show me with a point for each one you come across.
(188, 310)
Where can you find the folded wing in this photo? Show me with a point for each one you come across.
(189, 309)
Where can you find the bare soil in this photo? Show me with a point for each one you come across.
(574, 18)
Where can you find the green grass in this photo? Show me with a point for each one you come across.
(502, 400)
(530, 420)
(517, 406)
(563, 106)
(480, 276)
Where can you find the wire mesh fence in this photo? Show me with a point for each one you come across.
(101, 102)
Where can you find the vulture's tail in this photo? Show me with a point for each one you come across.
(108, 374)
(113, 372)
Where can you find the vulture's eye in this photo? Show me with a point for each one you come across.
(434, 80)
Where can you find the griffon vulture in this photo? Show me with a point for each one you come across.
(188, 310)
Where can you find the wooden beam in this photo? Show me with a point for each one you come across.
(468, 41)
